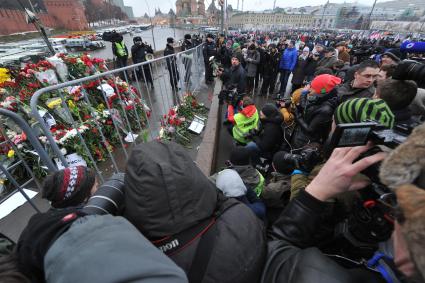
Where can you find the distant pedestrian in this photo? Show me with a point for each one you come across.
(171, 64)
(138, 54)
(120, 51)
(209, 51)
(287, 66)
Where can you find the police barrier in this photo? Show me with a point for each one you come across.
(17, 166)
(107, 113)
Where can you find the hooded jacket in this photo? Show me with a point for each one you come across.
(271, 135)
(289, 59)
(167, 194)
(104, 248)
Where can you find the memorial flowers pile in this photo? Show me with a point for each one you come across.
(104, 112)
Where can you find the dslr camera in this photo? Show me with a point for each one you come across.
(231, 96)
(305, 160)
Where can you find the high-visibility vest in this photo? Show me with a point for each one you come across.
(260, 186)
(120, 46)
(243, 125)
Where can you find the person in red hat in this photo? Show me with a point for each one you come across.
(314, 113)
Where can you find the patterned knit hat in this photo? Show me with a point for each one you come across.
(69, 187)
(363, 109)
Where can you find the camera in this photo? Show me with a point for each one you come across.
(410, 70)
(109, 198)
(304, 161)
(357, 134)
(231, 96)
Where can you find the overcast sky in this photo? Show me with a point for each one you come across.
(140, 7)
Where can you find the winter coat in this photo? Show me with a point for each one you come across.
(171, 61)
(138, 53)
(299, 72)
(346, 92)
(327, 62)
(310, 67)
(252, 61)
(166, 194)
(292, 256)
(104, 248)
(315, 124)
(271, 64)
(235, 76)
(209, 49)
(271, 135)
(251, 177)
(289, 59)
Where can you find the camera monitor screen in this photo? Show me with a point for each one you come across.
(354, 134)
(353, 137)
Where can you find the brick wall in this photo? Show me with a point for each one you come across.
(67, 14)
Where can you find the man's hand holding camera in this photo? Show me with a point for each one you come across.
(337, 174)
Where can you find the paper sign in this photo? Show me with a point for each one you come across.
(73, 159)
(14, 201)
(130, 137)
(197, 125)
(109, 91)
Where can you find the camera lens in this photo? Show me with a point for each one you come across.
(109, 197)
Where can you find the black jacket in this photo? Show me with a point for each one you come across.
(292, 257)
(235, 76)
(187, 44)
(272, 62)
(315, 124)
(171, 61)
(271, 136)
(209, 49)
(310, 67)
(166, 193)
(138, 52)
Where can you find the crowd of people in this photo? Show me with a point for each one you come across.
(323, 184)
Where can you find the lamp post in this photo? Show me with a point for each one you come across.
(32, 18)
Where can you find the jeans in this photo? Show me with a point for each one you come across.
(255, 153)
(284, 77)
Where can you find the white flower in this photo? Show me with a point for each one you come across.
(161, 133)
(20, 146)
(43, 139)
(11, 134)
(83, 128)
(63, 151)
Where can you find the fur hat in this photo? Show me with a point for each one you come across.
(402, 171)
(69, 187)
(170, 40)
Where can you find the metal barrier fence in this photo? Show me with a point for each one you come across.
(100, 117)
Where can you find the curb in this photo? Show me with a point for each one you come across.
(207, 150)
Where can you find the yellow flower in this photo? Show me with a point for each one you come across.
(71, 104)
(4, 75)
(2, 182)
(54, 103)
(11, 153)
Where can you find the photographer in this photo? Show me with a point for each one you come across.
(314, 122)
(235, 77)
(244, 122)
(90, 245)
(270, 136)
(293, 256)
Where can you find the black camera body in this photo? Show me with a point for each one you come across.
(305, 161)
(231, 96)
(410, 70)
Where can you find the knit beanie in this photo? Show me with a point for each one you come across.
(363, 109)
(240, 156)
(323, 84)
(235, 45)
(69, 187)
(394, 54)
(306, 49)
(270, 110)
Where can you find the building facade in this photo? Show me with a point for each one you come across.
(126, 9)
(190, 8)
(268, 21)
(66, 14)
